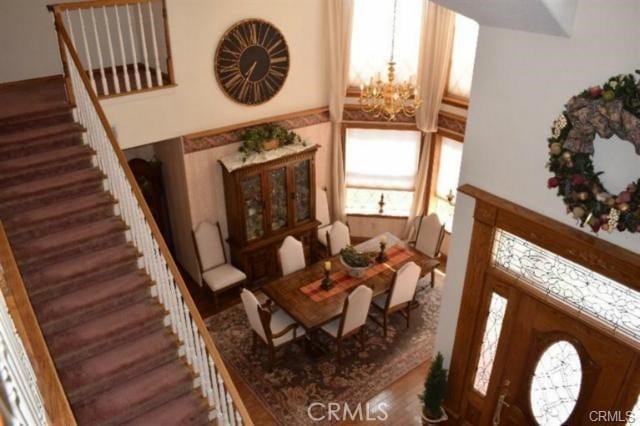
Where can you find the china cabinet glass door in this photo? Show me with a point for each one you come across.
(302, 188)
(253, 206)
(278, 196)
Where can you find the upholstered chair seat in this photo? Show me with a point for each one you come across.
(216, 272)
(274, 329)
(400, 296)
(353, 318)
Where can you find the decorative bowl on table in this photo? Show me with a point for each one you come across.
(356, 262)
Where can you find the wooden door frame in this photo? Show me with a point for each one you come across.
(492, 212)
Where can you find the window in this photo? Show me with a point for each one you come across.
(381, 162)
(462, 57)
(489, 346)
(447, 179)
(371, 39)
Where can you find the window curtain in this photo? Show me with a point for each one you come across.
(435, 55)
(340, 22)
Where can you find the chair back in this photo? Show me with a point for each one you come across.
(291, 255)
(338, 237)
(252, 308)
(208, 239)
(355, 310)
(404, 284)
(429, 235)
(322, 207)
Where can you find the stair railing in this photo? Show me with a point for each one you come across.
(33, 394)
(200, 352)
(123, 45)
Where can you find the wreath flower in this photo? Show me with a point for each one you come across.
(607, 110)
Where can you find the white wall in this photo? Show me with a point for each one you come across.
(521, 82)
(28, 43)
(197, 104)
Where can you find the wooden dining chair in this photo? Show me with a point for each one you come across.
(217, 272)
(429, 236)
(399, 296)
(291, 256)
(338, 238)
(274, 329)
(352, 320)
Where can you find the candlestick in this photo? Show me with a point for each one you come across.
(326, 281)
(382, 257)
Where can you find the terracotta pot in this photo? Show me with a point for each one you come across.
(271, 144)
(427, 421)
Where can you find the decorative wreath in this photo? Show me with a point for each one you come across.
(613, 109)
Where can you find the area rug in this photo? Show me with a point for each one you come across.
(300, 379)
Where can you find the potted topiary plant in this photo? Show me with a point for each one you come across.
(435, 388)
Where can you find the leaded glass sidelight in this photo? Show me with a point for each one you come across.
(555, 385)
(278, 193)
(614, 304)
(489, 347)
(252, 194)
(301, 178)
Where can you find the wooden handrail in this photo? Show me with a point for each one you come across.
(60, 7)
(53, 394)
(157, 235)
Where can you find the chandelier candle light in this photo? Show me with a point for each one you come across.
(390, 99)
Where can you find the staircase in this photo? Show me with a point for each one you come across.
(117, 360)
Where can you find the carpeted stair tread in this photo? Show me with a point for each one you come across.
(72, 240)
(60, 113)
(102, 297)
(135, 397)
(186, 410)
(50, 184)
(49, 215)
(102, 333)
(11, 165)
(82, 265)
(26, 135)
(103, 371)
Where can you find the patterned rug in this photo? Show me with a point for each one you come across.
(300, 379)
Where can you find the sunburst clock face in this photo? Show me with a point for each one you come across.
(252, 62)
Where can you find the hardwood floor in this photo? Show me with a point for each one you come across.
(402, 406)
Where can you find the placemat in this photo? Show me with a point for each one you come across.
(343, 282)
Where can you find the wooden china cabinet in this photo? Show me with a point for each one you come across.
(266, 202)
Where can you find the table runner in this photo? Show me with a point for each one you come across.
(343, 282)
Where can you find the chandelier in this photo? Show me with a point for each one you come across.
(390, 99)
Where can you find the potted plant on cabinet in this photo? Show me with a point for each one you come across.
(435, 387)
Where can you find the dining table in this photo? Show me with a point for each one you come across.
(301, 296)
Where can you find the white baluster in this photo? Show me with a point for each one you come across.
(145, 54)
(127, 83)
(105, 87)
(232, 417)
(116, 80)
(70, 25)
(223, 401)
(136, 73)
(214, 399)
(155, 44)
(86, 51)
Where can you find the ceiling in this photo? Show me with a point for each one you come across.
(553, 17)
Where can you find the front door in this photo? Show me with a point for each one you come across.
(556, 370)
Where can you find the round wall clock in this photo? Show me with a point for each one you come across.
(252, 62)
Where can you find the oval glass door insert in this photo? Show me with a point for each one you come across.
(555, 386)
